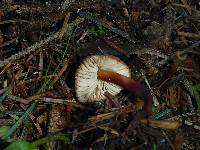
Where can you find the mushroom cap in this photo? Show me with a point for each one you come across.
(87, 85)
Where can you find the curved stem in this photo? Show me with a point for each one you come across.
(129, 84)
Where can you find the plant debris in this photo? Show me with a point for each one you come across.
(42, 45)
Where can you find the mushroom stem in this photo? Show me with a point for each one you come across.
(129, 84)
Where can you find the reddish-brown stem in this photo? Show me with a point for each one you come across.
(130, 85)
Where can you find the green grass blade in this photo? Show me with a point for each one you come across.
(58, 137)
(20, 121)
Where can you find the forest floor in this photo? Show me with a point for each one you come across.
(42, 43)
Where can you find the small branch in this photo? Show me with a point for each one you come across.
(118, 49)
(60, 72)
(174, 55)
(29, 49)
(39, 45)
(64, 27)
(13, 21)
(189, 35)
(9, 42)
(111, 28)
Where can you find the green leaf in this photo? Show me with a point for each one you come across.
(57, 137)
(4, 130)
(97, 31)
(196, 94)
(154, 147)
(20, 145)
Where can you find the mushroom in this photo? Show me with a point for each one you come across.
(99, 73)
(89, 87)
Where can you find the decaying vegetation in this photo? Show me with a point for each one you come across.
(42, 43)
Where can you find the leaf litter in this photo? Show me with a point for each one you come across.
(42, 43)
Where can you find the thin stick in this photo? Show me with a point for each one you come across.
(41, 64)
(111, 28)
(39, 45)
(60, 73)
(5, 68)
(9, 42)
(189, 35)
(13, 21)
(29, 49)
(118, 49)
(64, 27)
